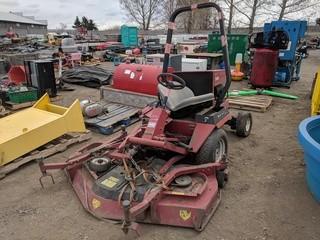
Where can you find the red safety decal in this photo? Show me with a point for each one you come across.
(171, 25)
(167, 48)
(223, 40)
(194, 6)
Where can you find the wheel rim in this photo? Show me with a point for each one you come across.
(248, 125)
(220, 150)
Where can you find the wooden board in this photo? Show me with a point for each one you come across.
(4, 113)
(257, 103)
(17, 106)
(207, 55)
(49, 149)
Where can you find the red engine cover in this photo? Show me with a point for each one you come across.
(137, 78)
(265, 63)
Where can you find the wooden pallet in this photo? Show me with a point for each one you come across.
(257, 103)
(16, 106)
(117, 115)
(3, 112)
(58, 145)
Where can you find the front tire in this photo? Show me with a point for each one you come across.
(243, 124)
(214, 149)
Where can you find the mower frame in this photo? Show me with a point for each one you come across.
(182, 138)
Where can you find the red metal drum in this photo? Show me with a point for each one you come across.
(137, 78)
(265, 63)
(17, 74)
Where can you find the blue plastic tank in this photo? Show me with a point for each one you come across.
(309, 138)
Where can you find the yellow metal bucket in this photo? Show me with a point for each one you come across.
(29, 129)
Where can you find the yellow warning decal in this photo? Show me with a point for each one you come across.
(95, 203)
(177, 193)
(110, 182)
(184, 214)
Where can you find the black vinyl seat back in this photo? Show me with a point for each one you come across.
(199, 82)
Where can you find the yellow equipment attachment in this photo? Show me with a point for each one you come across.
(29, 129)
(315, 101)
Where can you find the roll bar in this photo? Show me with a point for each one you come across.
(224, 43)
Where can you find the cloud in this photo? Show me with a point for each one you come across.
(112, 14)
(33, 5)
(104, 12)
(8, 3)
(91, 5)
(33, 11)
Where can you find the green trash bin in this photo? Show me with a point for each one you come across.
(237, 43)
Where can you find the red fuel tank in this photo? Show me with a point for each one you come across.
(265, 63)
(137, 78)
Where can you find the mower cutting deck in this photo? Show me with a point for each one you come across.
(170, 169)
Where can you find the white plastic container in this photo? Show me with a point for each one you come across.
(192, 64)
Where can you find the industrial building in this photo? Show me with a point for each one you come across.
(20, 24)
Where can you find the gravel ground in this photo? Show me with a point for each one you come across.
(266, 197)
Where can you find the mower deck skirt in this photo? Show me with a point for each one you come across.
(176, 209)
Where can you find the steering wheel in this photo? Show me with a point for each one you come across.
(177, 83)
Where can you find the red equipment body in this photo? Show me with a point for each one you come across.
(170, 169)
(191, 209)
(137, 78)
(164, 203)
(143, 78)
(265, 63)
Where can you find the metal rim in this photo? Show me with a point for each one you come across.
(183, 181)
(248, 125)
(99, 161)
(220, 150)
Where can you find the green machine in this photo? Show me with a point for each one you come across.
(237, 43)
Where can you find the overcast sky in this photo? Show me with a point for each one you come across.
(106, 13)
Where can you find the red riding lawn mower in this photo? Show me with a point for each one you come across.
(170, 169)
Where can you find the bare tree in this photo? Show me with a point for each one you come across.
(200, 19)
(63, 26)
(167, 8)
(288, 7)
(141, 11)
(231, 12)
(251, 9)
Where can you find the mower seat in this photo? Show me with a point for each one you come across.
(183, 98)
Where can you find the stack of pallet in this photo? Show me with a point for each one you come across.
(257, 103)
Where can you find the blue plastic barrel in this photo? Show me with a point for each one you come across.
(309, 138)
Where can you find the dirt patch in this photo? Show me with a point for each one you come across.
(266, 197)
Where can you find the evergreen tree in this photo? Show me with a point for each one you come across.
(76, 23)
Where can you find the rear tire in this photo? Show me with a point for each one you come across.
(243, 124)
(214, 149)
